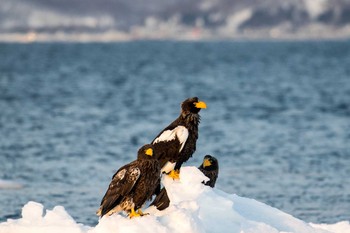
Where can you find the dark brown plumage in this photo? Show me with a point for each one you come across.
(162, 201)
(177, 142)
(132, 185)
(210, 168)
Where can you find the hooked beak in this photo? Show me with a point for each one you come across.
(206, 163)
(200, 104)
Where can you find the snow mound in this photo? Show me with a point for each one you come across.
(194, 208)
(56, 220)
(340, 227)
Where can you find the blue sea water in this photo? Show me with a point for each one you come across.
(278, 119)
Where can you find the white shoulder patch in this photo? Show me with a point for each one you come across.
(168, 135)
(182, 135)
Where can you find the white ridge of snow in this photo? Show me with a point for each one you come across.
(316, 7)
(194, 208)
(340, 227)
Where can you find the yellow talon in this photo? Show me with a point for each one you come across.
(141, 213)
(175, 174)
(134, 214)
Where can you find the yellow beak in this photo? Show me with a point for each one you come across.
(200, 104)
(149, 152)
(206, 163)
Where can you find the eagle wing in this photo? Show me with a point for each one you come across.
(169, 143)
(121, 185)
(180, 132)
(212, 175)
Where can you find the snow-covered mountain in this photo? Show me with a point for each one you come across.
(188, 19)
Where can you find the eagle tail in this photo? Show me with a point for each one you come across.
(161, 202)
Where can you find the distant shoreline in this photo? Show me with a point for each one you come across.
(116, 36)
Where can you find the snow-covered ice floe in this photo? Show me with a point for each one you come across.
(194, 208)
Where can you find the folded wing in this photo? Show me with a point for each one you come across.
(122, 183)
(169, 143)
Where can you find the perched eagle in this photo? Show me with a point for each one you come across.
(209, 167)
(132, 185)
(176, 143)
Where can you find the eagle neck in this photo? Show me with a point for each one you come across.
(190, 121)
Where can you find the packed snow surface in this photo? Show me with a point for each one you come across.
(193, 208)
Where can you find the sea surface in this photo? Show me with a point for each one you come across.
(278, 119)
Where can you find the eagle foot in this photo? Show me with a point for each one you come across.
(137, 213)
(175, 174)
(133, 213)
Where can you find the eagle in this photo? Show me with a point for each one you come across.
(132, 185)
(175, 144)
(209, 167)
